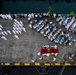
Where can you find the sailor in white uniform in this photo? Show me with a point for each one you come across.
(0, 29)
(15, 20)
(21, 23)
(23, 29)
(9, 16)
(5, 32)
(13, 28)
(3, 37)
(1, 26)
(54, 59)
(2, 33)
(9, 31)
(16, 36)
(19, 31)
(13, 31)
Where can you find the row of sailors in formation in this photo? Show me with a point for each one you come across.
(32, 15)
(4, 32)
(41, 56)
(53, 32)
(68, 22)
(17, 29)
(6, 16)
(36, 15)
(12, 16)
(3, 37)
(54, 58)
(48, 46)
(40, 15)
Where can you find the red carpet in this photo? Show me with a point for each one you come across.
(49, 50)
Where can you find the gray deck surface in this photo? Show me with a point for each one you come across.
(28, 45)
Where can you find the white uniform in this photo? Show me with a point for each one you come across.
(1, 26)
(5, 32)
(16, 36)
(17, 32)
(13, 28)
(2, 33)
(23, 29)
(40, 58)
(19, 29)
(21, 23)
(38, 53)
(0, 29)
(9, 31)
(3, 37)
(15, 20)
(14, 31)
(54, 59)
(16, 28)
(9, 16)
